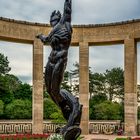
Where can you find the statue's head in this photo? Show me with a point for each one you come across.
(55, 18)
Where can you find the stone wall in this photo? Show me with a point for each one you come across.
(127, 32)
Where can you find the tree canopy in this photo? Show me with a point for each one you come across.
(4, 64)
(19, 109)
(15, 96)
(104, 89)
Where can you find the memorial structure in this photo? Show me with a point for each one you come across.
(84, 36)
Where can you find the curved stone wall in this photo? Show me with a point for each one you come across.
(23, 31)
(127, 32)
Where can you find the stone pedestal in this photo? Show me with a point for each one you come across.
(130, 103)
(37, 111)
(84, 85)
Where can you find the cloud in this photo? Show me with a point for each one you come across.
(102, 58)
(31, 10)
(19, 57)
(25, 79)
(84, 12)
(99, 11)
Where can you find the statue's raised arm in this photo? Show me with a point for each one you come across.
(67, 11)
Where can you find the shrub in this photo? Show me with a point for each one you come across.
(107, 111)
(19, 109)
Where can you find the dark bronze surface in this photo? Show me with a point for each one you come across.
(59, 39)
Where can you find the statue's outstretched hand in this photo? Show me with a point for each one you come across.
(38, 36)
(42, 37)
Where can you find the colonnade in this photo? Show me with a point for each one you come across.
(127, 33)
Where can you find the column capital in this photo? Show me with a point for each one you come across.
(129, 42)
(37, 44)
(83, 44)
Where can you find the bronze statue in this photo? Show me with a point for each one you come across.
(60, 38)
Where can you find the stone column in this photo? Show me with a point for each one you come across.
(37, 106)
(84, 85)
(130, 84)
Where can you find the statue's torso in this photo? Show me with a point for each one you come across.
(60, 38)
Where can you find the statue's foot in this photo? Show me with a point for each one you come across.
(72, 133)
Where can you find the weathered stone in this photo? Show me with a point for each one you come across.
(85, 35)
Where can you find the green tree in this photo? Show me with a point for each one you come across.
(8, 86)
(11, 88)
(114, 80)
(75, 75)
(108, 111)
(1, 108)
(138, 112)
(75, 72)
(24, 91)
(13, 82)
(4, 65)
(138, 93)
(51, 111)
(19, 109)
(49, 108)
(95, 100)
(57, 117)
(96, 84)
(5, 93)
(45, 94)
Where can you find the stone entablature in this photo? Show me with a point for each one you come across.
(80, 26)
(23, 31)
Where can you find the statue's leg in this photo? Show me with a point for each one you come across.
(69, 105)
(57, 77)
(48, 76)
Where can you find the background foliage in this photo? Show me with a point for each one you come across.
(106, 94)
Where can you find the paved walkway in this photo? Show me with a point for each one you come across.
(102, 137)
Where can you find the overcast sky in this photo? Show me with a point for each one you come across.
(84, 12)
